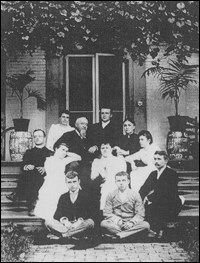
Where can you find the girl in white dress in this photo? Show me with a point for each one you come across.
(107, 167)
(54, 184)
(142, 162)
(57, 130)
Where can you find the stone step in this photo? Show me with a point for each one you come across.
(20, 217)
(188, 173)
(10, 167)
(188, 186)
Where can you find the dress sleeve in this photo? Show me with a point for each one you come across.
(94, 169)
(133, 157)
(51, 139)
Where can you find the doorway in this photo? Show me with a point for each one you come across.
(93, 81)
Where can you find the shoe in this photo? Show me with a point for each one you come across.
(160, 234)
(52, 237)
(31, 212)
(12, 197)
(151, 234)
(113, 237)
(182, 199)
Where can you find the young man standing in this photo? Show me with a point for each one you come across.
(105, 130)
(124, 210)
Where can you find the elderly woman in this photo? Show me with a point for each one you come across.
(142, 162)
(128, 143)
(57, 130)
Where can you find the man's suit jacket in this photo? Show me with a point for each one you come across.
(97, 134)
(36, 156)
(80, 208)
(165, 190)
(75, 142)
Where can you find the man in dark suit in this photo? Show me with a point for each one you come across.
(74, 211)
(160, 195)
(76, 139)
(33, 174)
(105, 130)
(77, 142)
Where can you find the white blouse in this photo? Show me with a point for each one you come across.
(55, 132)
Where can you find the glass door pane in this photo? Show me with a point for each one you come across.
(80, 87)
(111, 86)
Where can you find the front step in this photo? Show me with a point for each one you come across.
(21, 218)
(188, 186)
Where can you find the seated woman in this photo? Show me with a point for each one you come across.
(57, 130)
(128, 143)
(54, 185)
(142, 162)
(104, 171)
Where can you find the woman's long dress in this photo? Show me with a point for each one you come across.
(139, 176)
(53, 187)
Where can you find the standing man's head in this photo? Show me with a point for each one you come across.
(39, 137)
(106, 149)
(122, 180)
(160, 159)
(72, 180)
(106, 113)
(64, 116)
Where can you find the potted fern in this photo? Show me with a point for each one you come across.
(18, 83)
(173, 81)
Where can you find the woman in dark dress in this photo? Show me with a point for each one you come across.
(128, 143)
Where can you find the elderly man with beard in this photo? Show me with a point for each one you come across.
(77, 142)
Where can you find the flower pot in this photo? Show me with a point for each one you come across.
(177, 123)
(19, 143)
(21, 124)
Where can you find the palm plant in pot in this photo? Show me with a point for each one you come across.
(173, 81)
(18, 83)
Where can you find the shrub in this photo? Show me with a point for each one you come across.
(190, 239)
(14, 244)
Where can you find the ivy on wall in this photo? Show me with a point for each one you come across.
(125, 28)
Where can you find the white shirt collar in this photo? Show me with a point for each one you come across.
(74, 193)
(104, 124)
(78, 133)
(160, 171)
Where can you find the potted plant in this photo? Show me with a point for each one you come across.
(173, 81)
(18, 83)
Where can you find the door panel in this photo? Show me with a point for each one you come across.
(110, 85)
(93, 81)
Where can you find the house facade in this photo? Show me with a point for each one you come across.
(82, 83)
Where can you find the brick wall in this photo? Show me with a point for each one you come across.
(158, 109)
(37, 63)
